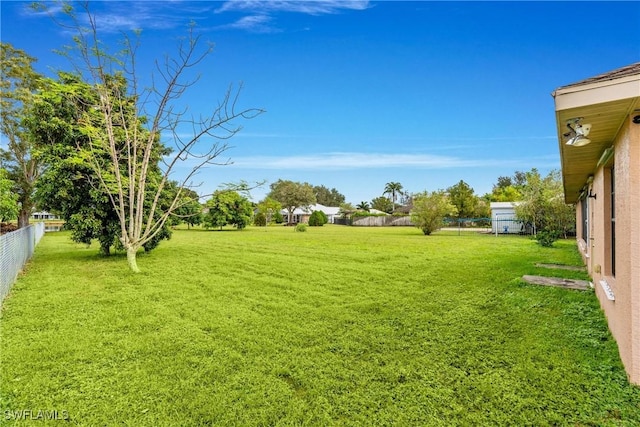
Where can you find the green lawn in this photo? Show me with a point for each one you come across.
(334, 326)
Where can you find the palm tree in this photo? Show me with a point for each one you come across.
(364, 206)
(393, 189)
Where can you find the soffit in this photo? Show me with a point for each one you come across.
(605, 105)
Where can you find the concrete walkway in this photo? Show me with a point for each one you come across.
(581, 285)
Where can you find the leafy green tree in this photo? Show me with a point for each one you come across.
(292, 195)
(346, 210)
(543, 205)
(72, 185)
(328, 197)
(483, 209)
(269, 208)
(228, 208)
(8, 198)
(260, 220)
(383, 204)
(508, 189)
(189, 209)
(393, 189)
(68, 185)
(363, 206)
(462, 196)
(132, 119)
(504, 181)
(18, 84)
(519, 179)
(505, 194)
(535, 197)
(430, 209)
(278, 218)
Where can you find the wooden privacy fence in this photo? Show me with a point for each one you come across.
(16, 248)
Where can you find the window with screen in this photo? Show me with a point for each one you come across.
(584, 213)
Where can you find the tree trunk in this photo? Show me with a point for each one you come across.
(105, 250)
(131, 259)
(23, 218)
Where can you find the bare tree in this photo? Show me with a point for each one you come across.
(131, 128)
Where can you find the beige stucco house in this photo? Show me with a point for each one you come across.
(598, 124)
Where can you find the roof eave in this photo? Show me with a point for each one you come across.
(576, 101)
(597, 93)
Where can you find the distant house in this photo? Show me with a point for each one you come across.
(503, 218)
(377, 212)
(43, 215)
(301, 215)
(598, 125)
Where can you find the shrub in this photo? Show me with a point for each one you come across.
(318, 219)
(260, 220)
(278, 218)
(301, 227)
(430, 209)
(547, 237)
(325, 218)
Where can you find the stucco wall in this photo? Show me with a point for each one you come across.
(623, 314)
(632, 229)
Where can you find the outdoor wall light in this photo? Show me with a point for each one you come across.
(577, 132)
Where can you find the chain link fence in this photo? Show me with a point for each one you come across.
(498, 225)
(16, 248)
(505, 225)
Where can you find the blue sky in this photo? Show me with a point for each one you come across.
(361, 93)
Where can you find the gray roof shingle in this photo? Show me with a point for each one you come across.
(629, 70)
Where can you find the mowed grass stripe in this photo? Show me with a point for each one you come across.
(335, 326)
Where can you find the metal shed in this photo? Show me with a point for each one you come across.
(503, 218)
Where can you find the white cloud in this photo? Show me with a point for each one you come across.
(41, 9)
(116, 17)
(260, 12)
(252, 23)
(340, 160)
(315, 7)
